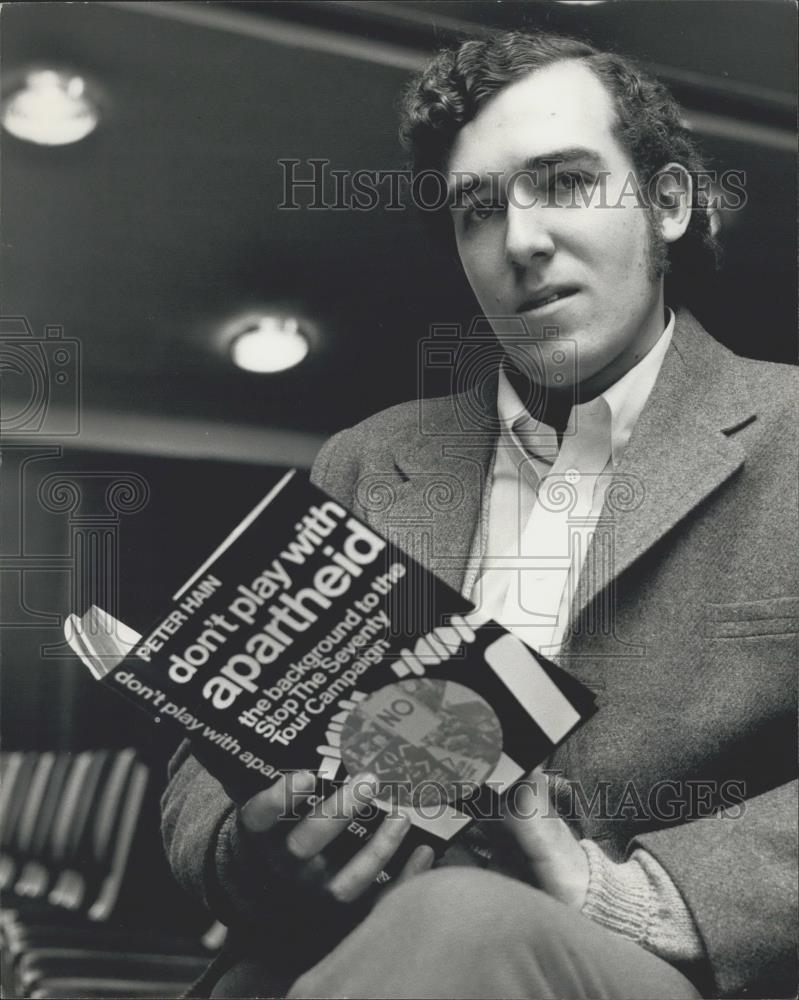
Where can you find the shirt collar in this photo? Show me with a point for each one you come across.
(625, 399)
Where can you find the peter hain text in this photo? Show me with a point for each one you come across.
(261, 622)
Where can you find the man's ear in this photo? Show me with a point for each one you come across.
(672, 197)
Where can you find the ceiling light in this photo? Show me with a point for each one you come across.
(51, 108)
(268, 343)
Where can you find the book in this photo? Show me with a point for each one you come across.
(306, 640)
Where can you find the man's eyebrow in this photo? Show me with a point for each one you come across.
(568, 155)
(468, 181)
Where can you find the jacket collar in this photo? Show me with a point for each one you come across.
(441, 470)
(681, 450)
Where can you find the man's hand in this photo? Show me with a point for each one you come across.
(293, 846)
(546, 852)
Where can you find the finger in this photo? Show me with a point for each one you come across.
(523, 811)
(264, 809)
(359, 873)
(537, 831)
(527, 802)
(332, 817)
(553, 858)
(421, 860)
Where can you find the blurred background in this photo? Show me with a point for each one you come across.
(142, 235)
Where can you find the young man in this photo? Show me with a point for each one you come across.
(667, 582)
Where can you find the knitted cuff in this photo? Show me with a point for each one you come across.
(673, 933)
(638, 899)
(619, 896)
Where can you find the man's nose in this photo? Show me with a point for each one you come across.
(527, 235)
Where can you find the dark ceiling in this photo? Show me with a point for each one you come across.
(140, 240)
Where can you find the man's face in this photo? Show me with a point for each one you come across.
(543, 238)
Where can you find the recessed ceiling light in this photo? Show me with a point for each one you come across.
(268, 343)
(50, 108)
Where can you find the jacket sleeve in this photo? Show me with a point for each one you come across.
(738, 875)
(207, 850)
(196, 814)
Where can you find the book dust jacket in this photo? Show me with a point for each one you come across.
(309, 641)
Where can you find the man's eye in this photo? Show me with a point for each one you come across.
(569, 180)
(571, 188)
(481, 213)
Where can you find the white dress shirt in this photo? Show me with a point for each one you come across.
(545, 500)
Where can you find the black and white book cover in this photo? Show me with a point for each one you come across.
(294, 646)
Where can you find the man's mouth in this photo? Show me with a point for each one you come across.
(545, 298)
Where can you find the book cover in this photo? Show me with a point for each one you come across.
(308, 641)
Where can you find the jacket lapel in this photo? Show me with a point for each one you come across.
(679, 453)
(429, 501)
(430, 497)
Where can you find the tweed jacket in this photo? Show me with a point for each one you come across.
(684, 624)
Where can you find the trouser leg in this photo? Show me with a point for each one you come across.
(466, 933)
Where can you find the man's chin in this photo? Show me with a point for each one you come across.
(553, 364)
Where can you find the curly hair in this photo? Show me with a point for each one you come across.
(456, 84)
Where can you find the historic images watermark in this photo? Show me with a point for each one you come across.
(41, 413)
(314, 185)
(667, 801)
(41, 380)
